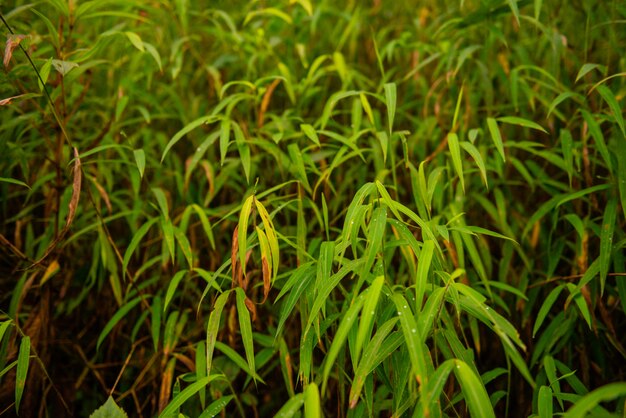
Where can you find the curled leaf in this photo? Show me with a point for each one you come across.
(13, 42)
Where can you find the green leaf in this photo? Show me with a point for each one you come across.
(168, 234)
(109, 410)
(23, 361)
(224, 139)
(268, 11)
(188, 128)
(586, 68)
(7, 368)
(310, 133)
(483, 231)
(162, 201)
(606, 239)
(64, 67)
(455, 153)
(474, 391)
(3, 328)
(432, 390)
(242, 231)
(513, 5)
(216, 406)
(412, 337)
(390, 100)
(141, 232)
(245, 327)
(244, 150)
(567, 147)
(596, 133)
(312, 402)
(325, 288)
(559, 99)
(580, 302)
(621, 176)
(376, 232)
(371, 358)
(185, 394)
(348, 320)
(298, 283)
(272, 238)
(14, 181)
(213, 328)
(367, 107)
(495, 136)
(291, 407)
(544, 402)
(206, 225)
(140, 160)
(171, 288)
(514, 120)
(367, 315)
(54, 35)
(295, 155)
(576, 195)
(135, 40)
(383, 139)
(121, 313)
(184, 245)
(478, 159)
(44, 73)
(610, 99)
(592, 399)
(238, 360)
(154, 53)
(423, 267)
(155, 324)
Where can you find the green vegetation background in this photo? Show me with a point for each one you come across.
(301, 207)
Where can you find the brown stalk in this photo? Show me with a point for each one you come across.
(266, 101)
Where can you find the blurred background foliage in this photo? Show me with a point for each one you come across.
(201, 201)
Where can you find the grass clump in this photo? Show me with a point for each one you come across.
(311, 208)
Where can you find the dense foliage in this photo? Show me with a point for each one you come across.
(317, 207)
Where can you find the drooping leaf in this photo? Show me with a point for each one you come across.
(115, 319)
(496, 136)
(23, 361)
(245, 327)
(476, 397)
(213, 327)
(242, 230)
(185, 394)
(606, 239)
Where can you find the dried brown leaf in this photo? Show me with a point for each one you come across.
(266, 101)
(76, 185)
(13, 42)
(8, 100)
(251, 307)
(233, 255)
(103, 193)
(267, 278)
(78, 178)
(166, 385)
